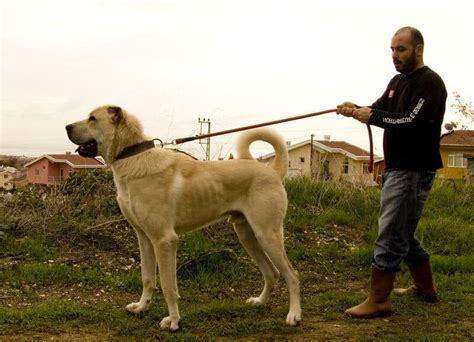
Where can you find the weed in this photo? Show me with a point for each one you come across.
(59, 247)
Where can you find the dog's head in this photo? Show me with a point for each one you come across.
(98, 134)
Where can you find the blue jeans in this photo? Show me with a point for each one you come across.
(401, 203)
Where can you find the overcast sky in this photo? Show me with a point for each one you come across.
(235, 62)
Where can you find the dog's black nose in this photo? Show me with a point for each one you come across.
(68, 128)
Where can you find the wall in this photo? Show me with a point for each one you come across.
(6, 180)
(317, 166)
(37, 173)
(48, 172)
(453, 172)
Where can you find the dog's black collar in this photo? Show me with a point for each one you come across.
(136, 149)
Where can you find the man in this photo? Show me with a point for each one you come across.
(411, 112)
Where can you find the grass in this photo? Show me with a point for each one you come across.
(69, 265)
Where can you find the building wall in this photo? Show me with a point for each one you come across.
(6, 179)
(58, 172)
(323, 165)
(470, 169)
(300, 159)
(46, 172)
(37, 173)
(453, 172)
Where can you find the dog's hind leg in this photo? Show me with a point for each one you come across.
(253, 248)
(148, 267)
(272, 243)
(165, 247)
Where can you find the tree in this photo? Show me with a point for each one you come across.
(464, 110)
(7, 161)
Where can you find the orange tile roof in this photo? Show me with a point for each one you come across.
(461, 137)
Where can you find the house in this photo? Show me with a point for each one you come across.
(53, 169)
(7, 175)
(470, 167)
(455, 147)
(379, 168)
(326, 159)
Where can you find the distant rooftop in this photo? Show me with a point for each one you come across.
(343, 145)
(74, 160)
(460, 137)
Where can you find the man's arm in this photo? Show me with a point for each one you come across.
(363, 114)
(424, 102)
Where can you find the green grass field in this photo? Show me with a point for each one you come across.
(69, 265)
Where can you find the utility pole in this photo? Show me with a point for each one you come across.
(207, 141)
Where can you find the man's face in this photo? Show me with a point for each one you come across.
(404, 54)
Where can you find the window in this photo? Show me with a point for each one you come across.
(456, 159)
(37, 172)
(345, 166)
(365, 168)
(301, 160)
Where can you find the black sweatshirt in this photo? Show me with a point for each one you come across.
(411, 111)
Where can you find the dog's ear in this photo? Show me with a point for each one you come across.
(116, 112)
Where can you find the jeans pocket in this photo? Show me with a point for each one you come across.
(425, 184)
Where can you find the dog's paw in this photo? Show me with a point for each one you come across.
(293, 318)
(255, 301)
(169, 323)
(136, 307)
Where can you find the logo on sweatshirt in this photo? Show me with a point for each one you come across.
(391, 93)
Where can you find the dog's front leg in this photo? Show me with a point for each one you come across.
(148, 267)
(165, 250)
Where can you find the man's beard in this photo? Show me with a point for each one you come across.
(408, 66)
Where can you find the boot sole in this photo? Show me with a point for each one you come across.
(378, 314)
(429, 298)
(426, 298)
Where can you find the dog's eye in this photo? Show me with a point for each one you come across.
(92, 118)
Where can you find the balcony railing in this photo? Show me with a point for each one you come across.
(56, 179)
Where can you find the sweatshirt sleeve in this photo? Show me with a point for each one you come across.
(423, 105)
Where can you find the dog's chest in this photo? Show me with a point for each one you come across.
(123, 197)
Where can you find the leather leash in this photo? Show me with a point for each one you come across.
(203, 136)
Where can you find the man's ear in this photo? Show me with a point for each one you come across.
(116, 112)
(419, 50)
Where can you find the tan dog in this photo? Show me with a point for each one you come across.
(163, 194)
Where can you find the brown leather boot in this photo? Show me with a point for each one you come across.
(378, 303)
(422, 287)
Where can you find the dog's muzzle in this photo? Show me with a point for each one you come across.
(88, 150)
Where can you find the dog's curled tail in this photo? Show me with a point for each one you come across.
(280, 162)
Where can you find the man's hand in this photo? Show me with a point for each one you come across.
(346, 109)
(362, 114)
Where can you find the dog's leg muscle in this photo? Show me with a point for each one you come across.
(148, 267)
(273, 246)
(165, 249)
(253, 248)
(268, 231)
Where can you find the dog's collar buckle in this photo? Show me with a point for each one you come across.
(136, 149)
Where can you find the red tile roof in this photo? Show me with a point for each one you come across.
(461, 137)
(357, 151)
(74, 160)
